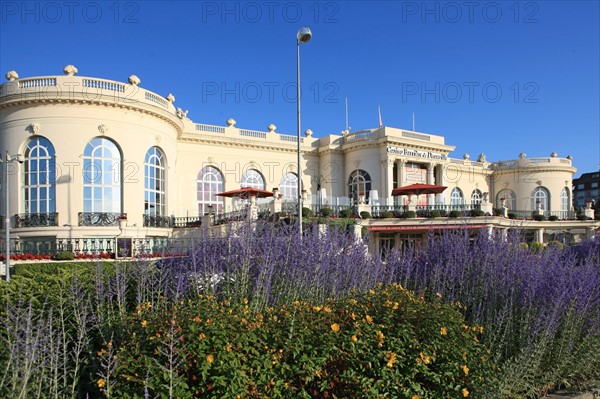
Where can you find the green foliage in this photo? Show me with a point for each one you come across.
(63, 255)
(536, 246)
(477, 212)
(539, 218)
(410, 214)
(346, 213)
(307, 212)
(582, 216)
(553, 218)
(455, 214)
(435, 214)
(383, 343)
(386, 215)
(325, 212)
(365, 215)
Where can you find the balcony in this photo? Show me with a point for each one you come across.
(100, 218)
(36, 219)
(157, 221)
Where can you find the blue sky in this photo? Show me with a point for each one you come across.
(491, 76)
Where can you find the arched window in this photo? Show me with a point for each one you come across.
(39, 177)
(101, 179)
(476, 197)
(154, 182)
(209, 183)
(253, 178)
(565, 201)
(540, 196)
(456, 197)
(506, 198)
(359, 183)
(289, 186)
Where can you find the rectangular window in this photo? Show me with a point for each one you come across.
(580, 187)
(594, 185)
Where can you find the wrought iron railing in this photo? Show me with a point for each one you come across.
(186, 221)
(36, 219)
(157, 221)
(100, 218)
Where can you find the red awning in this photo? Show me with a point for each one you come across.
(428, 228)
(418, 189)
(246, 192)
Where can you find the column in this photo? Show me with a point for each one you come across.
(430, 180)
(387, 180)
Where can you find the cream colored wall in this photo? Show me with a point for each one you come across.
(70, 127)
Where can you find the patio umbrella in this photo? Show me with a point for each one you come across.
(418, 189)
(246, 193)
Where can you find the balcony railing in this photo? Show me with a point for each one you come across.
(186, 221)
(157, 221)
(36, 219)
(100, 218)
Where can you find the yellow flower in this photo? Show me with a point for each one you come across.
(424, 358)
(327, 309)
(443, 331)
(415, 397)
(317, 308)
(197, 319)
(354, 338)
(101, 383)
(465, 369)
(391, 359)
(465, 392)
(369, 319)
(210, 358)
(335, 327)
(380, 338)
(144, 323)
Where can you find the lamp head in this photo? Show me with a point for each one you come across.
(19, 158)
(304, 35)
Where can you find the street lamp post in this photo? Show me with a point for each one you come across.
(8, 159)
(303, 36)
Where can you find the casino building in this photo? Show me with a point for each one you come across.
(103, 158)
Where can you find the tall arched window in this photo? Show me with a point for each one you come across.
(456, 196)
(253, 178)
(506, 198)
(565, 201)
(359, 182)
(476, 197)
(39, 177)
(154, 182)
(289, 186)
(540, 196)
(209, 183)
(101, 179)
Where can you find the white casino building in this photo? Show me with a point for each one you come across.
(104, 159)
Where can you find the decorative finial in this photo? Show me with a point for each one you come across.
(481, 157)
(170, 98)
(12, 75)
(569, 157)
(134, 80)
(308, 133)
(231, 122)
(466, 157)
(522, 155)
(70, 70)
(553, 155)
(271, 127)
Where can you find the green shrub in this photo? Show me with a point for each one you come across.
(346, 213)
(386, 215)
(325, 212)
(556, 244)
(435, 214)
(582, 216)
(365, 215)
(553, 218)
(338, 348)
(477, 212)
(410, 215)
(455, 214)
(512, 215)
(63, 255)
(536, 246)
(539, 218)
(307, 212)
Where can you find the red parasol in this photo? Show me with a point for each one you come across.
(246, 193)
(418, 189)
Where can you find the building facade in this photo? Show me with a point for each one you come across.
(586, 189)
(103, 157)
